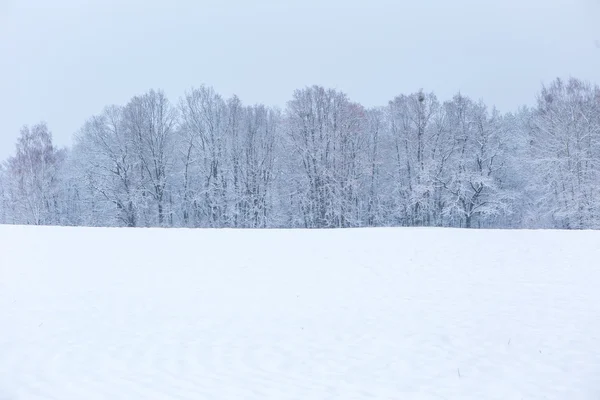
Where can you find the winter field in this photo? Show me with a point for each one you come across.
(340, 314)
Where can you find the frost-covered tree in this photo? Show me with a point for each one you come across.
(565, 153)
(472, 185)
(516, 175)
(326, 132)
(376, 178)
(4, 202)
(150, 122)
(323, 162)
(32, 178)
(414, 139)
(109, 169)
(252, 140)
(202, 154)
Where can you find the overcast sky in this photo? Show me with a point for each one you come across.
(62, 61)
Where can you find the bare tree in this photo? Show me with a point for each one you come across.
(5, 212)
(415, 142)
(32, 177)
(106, 155)
(150, 121)
(253, 158)
(326, 132)
(472, 184)
(204, 123)
(324, 162)
(565, 146)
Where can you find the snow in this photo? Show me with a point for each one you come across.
(295, 314)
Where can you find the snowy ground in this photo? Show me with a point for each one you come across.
(349, 314)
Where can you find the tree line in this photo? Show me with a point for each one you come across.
(324, 161)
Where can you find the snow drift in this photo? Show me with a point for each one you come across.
(272, 314)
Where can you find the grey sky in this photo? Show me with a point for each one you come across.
(64, 60)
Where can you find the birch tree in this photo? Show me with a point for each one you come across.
(32, 177)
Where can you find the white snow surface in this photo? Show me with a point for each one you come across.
(295, 314)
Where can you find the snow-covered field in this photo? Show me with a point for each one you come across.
(343, 314)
